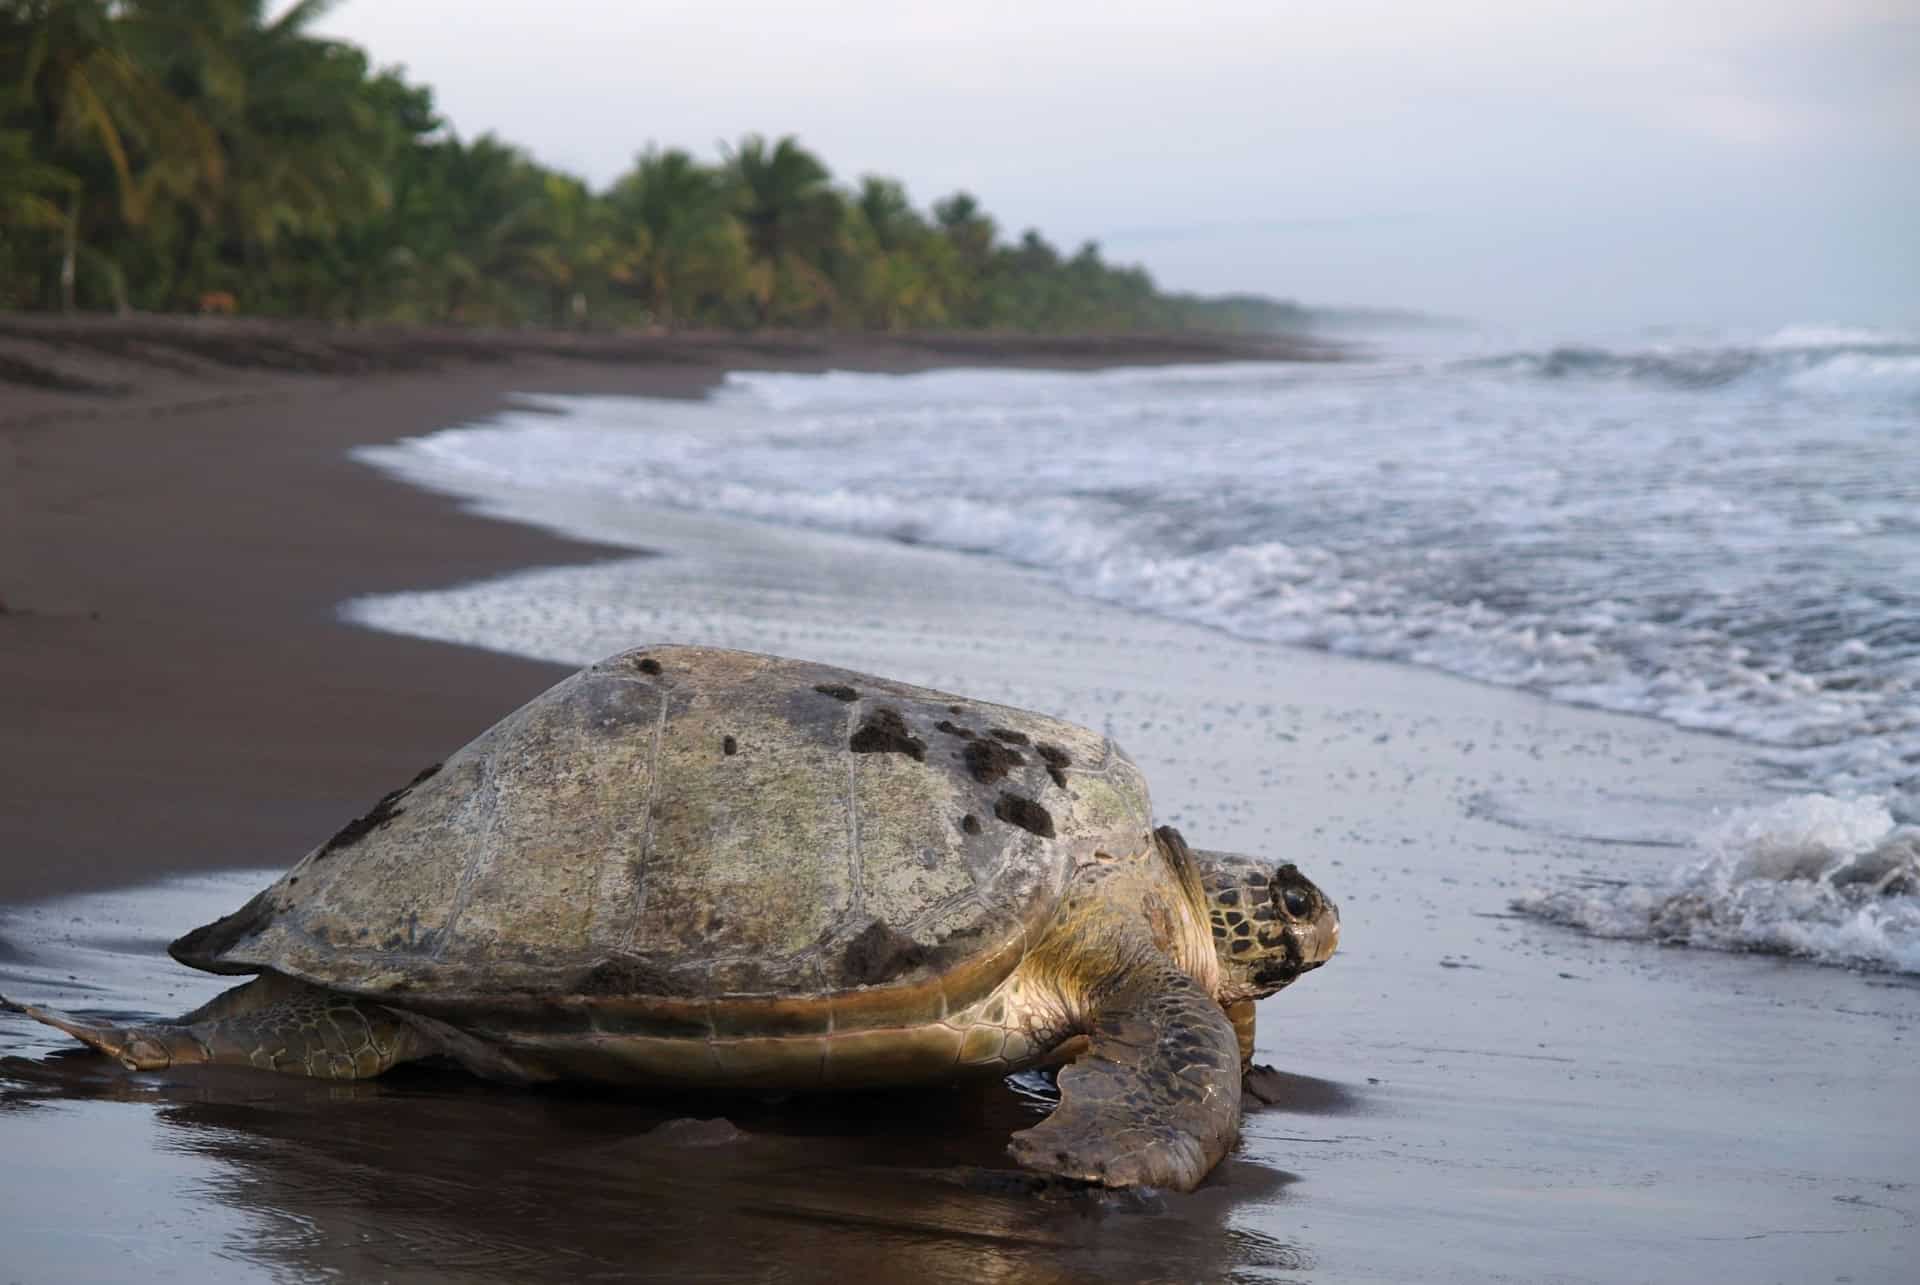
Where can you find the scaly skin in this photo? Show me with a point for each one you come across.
(271, 1024)
(1146, 961)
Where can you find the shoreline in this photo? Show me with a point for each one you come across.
(186, 695)
(55, 368)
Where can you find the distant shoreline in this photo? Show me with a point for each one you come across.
(180, 521)
(62, 367)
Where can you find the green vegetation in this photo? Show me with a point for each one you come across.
(195, 155)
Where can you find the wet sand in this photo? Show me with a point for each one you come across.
(1471, 1096)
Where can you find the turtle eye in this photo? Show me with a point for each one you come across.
(1296, 902)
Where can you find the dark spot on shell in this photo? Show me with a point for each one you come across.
(729, 746)
(1231, 897)
(1220, 931)
(954, 729)
(1024, 813)
(627, 975)
(1235, 917)
(839, 691)
(885, 732)
(1057, 761)
(879, 954)
(1242, 947)
(647, 665)
(970, 823)
(1008, 735)
(379, 815)
(990, 760)
(1242, 928)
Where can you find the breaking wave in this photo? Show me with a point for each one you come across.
(1817, 877)
(1821, 360)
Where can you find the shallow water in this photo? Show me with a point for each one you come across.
(429, 1177)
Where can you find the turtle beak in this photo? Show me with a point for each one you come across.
(1322, 937)
(1329, 933)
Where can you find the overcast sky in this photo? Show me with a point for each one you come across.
(1613, 162)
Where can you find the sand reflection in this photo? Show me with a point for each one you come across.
(429, 1174)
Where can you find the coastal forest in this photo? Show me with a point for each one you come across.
(220, 156)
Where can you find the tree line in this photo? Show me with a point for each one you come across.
(195, 155)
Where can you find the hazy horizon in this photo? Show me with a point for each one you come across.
(1629, 163)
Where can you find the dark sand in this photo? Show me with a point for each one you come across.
(1469, 1096)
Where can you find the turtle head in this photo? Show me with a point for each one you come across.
(1270, 923)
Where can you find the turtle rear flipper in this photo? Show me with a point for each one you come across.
(1155, 1101)
(135, 1048)
(271, 1023)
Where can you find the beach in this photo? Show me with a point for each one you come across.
(226, 633)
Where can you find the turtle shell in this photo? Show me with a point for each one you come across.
(685, 827)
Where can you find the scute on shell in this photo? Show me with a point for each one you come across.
(599, 845)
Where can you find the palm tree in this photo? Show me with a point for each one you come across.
(83, 100)
(888, 215)
(792, 218)
(967, 226)
(298, 135)
(970, 233)
(570, 246)
(901, 274)
(485, 226)
(675, 236)
(372, 255)
(31, 191)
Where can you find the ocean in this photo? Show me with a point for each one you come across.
(1721, 532)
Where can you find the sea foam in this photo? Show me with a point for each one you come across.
(1814, 876)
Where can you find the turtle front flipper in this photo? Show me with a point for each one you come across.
(1263, 1086)
(1155, 1101)
(271, 1023)
(1241, 1014)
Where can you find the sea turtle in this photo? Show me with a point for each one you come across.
(692, 867)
